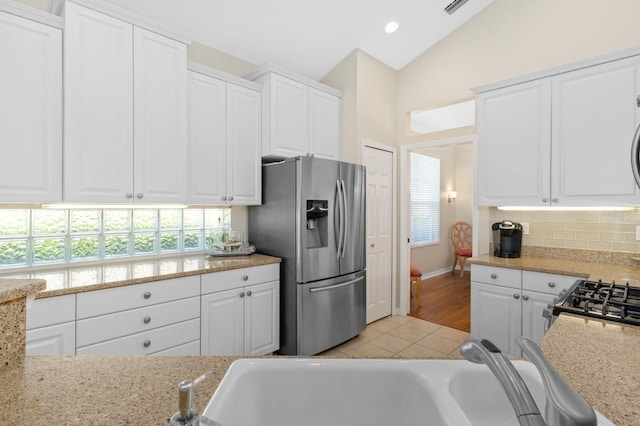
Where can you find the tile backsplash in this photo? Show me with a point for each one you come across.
(599, 230)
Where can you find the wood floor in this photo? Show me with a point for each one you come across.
(445, 300)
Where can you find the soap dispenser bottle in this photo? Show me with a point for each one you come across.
(187, 415)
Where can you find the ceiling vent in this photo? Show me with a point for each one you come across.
(454, 5)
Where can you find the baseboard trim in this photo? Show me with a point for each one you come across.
(440, 272)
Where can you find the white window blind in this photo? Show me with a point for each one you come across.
(425, 199)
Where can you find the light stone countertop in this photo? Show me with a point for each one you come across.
(88, 277)
(12, 289)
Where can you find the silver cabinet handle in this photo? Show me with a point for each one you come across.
(147, 295)
(249, 293)
(245, 277)
(146, 343)
(242, 294)
(146, 320)
(551, 284)
(525, 297)
(494, 276)
(516, 296)
(224, 198)
(231, 198)
(545, 200)
(554, 200)
(129, 195)
(139, 195)
(638, 101)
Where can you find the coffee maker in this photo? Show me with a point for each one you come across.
(507, 239)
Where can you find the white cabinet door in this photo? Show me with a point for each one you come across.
(595, 115)
(514, 143)
(98, 65)
(496, 315)
(222, 323)
(244, 127)
(207, 139)
(30, 110)
(289, 121)
(57, 339)
(324, 124)
(533, 323)
(160, 110)
(261, 319)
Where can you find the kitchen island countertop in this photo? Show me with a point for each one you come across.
(599, 359)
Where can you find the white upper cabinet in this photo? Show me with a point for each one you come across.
(514, 145)
(30, 110)
(125, 111)
(302, 116)
(595, 115)
(225, 125)
(563, 139)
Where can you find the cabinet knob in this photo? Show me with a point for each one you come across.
(545, 200)
(554, 200)
(231, 198)
(146, 343)
(494, 276)
(224, 198)
(525, 297)
(242, 294)
(147, 295)
(139, 195)
(129, 195)
(638, 101)
(516, 296)
(245, 277)
(249, 293)
(146, 320)
(551, 284)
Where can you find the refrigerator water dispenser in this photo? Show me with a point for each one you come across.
(317, 216)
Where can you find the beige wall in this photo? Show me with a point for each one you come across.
(219, 60)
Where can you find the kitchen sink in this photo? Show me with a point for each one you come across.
(359, 392)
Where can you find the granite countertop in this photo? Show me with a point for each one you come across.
(597, 358)
(101, 275)
(594, 271)
(11, 290)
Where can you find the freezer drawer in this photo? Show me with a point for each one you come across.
(330, 312)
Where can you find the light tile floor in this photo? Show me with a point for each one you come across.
(402, 337)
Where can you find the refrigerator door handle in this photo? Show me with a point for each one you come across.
(345, 224)
(331, 287)
(341, 208)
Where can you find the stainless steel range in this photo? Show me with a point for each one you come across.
(597, 299)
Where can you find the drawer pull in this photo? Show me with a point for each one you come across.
(147, 295)
(245, 277)
(147, 320)
(525, 297)
(516, 296)
(249, 293)
(551, 284)
(146, 343)
(494, 276)
(242, 294)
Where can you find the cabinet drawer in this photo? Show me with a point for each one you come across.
(107, 327)
(499, 276)
(100, 302)
(238, 278)
(51, 310)
(147, 342)
(191, 348)
(546, 283)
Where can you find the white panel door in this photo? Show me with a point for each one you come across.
(533, 323)
(207, 139)
(595, 115)
(57, 339)
(496, 315)
(379, 232)
(262, 318)
(222, 323)
(289, 120)
(325, 131)
(244, 129)
(98, 87)
(514, 143)
(160, 107)
(30, 110)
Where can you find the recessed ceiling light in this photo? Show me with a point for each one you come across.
(391, 27)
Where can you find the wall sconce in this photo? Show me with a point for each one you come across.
(452, 196)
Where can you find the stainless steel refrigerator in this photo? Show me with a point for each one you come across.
(313, 217)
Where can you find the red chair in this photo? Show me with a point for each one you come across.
(415, 276)
(461, 239)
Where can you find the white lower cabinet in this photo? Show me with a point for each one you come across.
(51, 326)
(241, 319)
(507, 303)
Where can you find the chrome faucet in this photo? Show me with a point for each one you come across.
(564, 406)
